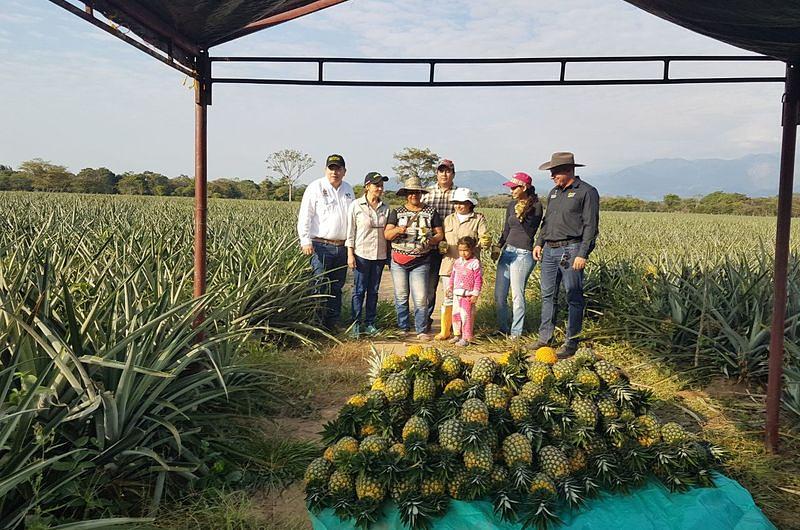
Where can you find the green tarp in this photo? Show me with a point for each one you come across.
(727, 507)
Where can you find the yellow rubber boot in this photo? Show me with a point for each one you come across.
(446, 322)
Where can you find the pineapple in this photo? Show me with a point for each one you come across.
(503, 359)
(475, 411)
(392, 363)
(541, 373)
(376, 399)
(479, 459)
(585, 356)
(357, 400)
(451, 366)
(345, 447)
(369, 487)
(546, 355)
(587, 380)
(542, 485)
(520, 409)
(559, 398)
(455, 387)
(402, 487)
(397, 387)
(495, 396)
(374, 445)
(608, 372)
(483, 371)
(648, 424)
(397, 449)
(532, 391)
(451, 434)
(585, 412)
(554, 462)
(564, 370)
(608, 408)
(378, 384)
(413, 351)
(367, 430)
(341, 483)
(673, 433)
(432, 486)
(317, 472)
(424, 388)
(517, 450)
(416, 430)
(577, 461)
(456, 484)
(431, 355)
(328, 454)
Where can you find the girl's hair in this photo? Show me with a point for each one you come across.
(468, 241)
(530, 202)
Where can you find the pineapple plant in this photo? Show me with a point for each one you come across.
(451, 367)
(455, 387)
(475, 411)
(397, 387)
(483, 370)
(369, 488)
(609, 373)
(554, 462)
(673, 434)
(546, 355)
(317, 472)
(416, 430)
(341, 483)
(451, 435)
(495, 396)
(541, 373)
(479, 459)
(424, 388)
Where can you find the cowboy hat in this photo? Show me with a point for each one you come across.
(561, 158)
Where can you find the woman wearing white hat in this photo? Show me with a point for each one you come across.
(465, 221)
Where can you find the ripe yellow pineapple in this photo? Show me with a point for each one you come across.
(483, 370)
(392, 363)
(554, 462)
(451, 366)
(479, 459)
(374, 445)
(369, 487)
(495, 396)
(455, 387)
(328, 454)
(431, 355)
(416, 430)
(542, 485)
(546, 355)
(317, 472)
(397, 387)
(378, 384)
(357, 400)
(517, 450)
(475, 411)
(424, 388)
(341, 482)
(432, 486)
(540, 373)
(347, 446)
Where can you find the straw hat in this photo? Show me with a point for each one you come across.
(412, 184)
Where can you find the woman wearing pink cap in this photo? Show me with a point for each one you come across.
(515, 263)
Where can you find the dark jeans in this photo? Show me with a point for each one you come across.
(433, 283)
(552, 273)
(367, 276)
(329, 263)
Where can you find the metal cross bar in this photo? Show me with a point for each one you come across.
(431, 64)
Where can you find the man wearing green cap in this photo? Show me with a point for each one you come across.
(322, 229)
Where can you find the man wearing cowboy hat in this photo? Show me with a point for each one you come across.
(566, 239)
(322, 228)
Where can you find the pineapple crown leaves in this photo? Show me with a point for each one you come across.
(317, 498)
(505, 504)
(571, 491)
(417, 511)
(539, 512)
(365, 512)
(374, 359)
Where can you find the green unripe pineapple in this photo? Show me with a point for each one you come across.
(451, 434)
(483, 370)
(585, 356)
(475, 411)
(374, 445)
(397, 387)
(554, 462)
(424, 388)
(585, 411)
(495, 396)
(607, 372)
(608, 408)
(317, 472)
(565, 370)
(673, 434)
(517, 450)
(451, 366)
(520, 409)
(341, 482)
(532, 391)
(587, 379)
(416, 430)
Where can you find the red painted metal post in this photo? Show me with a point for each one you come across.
(202, 100)
(791, 108)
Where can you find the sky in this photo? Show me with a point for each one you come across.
(74, 95)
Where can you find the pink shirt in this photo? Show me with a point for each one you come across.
(467, 277)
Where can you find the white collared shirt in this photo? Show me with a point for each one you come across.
(323, 211)
(365, 229)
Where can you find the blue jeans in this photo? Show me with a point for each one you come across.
(416, 281)
(552, 274)
(329, 263)
(513, 269)
(367, 279)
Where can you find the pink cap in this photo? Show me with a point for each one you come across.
(519, 179)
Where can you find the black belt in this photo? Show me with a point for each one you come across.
(561, 243)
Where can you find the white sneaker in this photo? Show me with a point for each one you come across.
(423, 337)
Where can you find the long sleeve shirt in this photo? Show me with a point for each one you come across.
(466, 278)
(521, 234)
(572, 213)
(323, 211)
(365, 226)
(474, 225)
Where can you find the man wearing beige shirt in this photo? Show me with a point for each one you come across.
(366, 251)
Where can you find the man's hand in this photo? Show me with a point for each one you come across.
(351, 262)
(473, 299)
(307, 249)
(579, 263)
(537, 253)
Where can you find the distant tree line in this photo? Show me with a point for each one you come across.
(718, 202)
(41, 175)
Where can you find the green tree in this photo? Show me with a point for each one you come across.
(133, 184)
(182, 186)
(157, 184)
(15, 181)
(90, 180)
(288, 165)
(223, 189)
(45, 176)
(416, 162)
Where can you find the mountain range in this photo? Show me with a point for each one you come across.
(753, 175)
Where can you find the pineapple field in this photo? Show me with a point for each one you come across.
(116, 410)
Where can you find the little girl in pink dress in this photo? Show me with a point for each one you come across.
(465, 286)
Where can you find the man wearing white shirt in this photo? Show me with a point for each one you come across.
(322, 228)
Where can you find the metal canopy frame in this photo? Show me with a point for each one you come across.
(201, 72)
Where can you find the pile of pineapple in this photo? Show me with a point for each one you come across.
(534, 436)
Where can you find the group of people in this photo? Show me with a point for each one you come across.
(436, 238)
